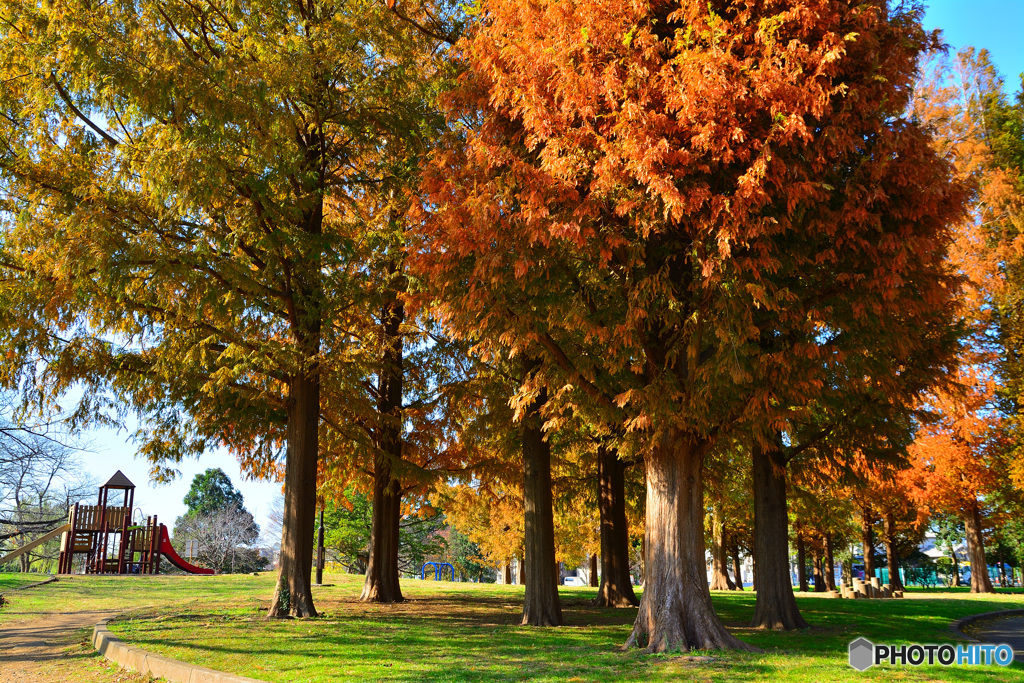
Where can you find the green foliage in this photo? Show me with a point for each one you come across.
(465, 556)
(210, 491)
(347, 527)
(949, 531)
(220, 525)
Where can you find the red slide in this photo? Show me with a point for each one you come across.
(168, 550)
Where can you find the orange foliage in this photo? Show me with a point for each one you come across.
(959, 457)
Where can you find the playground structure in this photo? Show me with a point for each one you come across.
(439, 568)
(110, 540)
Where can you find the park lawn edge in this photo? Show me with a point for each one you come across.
(354, 641)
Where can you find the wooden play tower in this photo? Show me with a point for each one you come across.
(106, 535)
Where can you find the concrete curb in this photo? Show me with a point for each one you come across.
(957, 626)
(108, 645)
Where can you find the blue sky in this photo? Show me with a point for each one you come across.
(997, 25)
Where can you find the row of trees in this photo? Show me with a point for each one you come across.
(375, 246)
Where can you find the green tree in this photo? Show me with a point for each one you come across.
(949, 533)
(465, 556)
(190, 201)
(348, 526)
(210, 491)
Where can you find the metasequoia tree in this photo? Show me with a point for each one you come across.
(725, 489)
(700, 198)
(959, 459)
(859, 422)
(177, 176)
(616, 588)
(576, 514)
(962, 456)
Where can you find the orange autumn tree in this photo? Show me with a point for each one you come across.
(680, 208)
(488, 513)
(959, 459)
(964, 454)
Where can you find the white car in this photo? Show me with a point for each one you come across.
(573, 581)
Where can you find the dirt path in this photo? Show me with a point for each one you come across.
(50, 649)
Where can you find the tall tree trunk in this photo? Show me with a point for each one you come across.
(643, 560)
(737, 568)
(830, 563)
(980, 582)
(382, 571)
(675, 610)
(891, 558)
(801, 561)
(867, 539)
(775, 607)
(382, 583)
(541, 606)
(293, 595)
(956, 565)
(819, 575)
(720, 580)
(616, 586)
(319, 549)
(593, 571)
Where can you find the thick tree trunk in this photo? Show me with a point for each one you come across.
(980, 582)
(867, 539)
(891, 558)
(293, 595)
(675, 610)
(819, 575)
(616, 587)
(382, 584)
(737, 568)
(541, 606)
(830, 563)
(801, 562)
(775, 607)
(382, 570)
(593, 571)
(720, 580)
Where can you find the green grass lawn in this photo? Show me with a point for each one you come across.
(470, 632)
(19, 579)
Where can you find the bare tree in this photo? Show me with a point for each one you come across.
(41, 475)
(275, 522)
(225, 537)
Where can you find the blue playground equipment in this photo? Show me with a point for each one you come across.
(439, 568)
